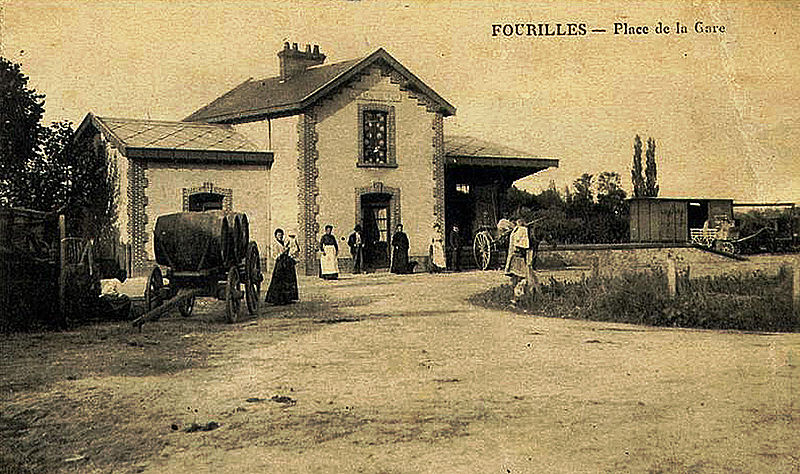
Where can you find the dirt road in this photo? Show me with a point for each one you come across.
(387, 373)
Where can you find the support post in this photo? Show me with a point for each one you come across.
(796, 286)
(62, 269)
(596, 266)
(672, 278)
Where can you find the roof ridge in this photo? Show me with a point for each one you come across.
(166, 122)
(272, 96)
(310, 68)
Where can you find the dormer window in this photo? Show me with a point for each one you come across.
(376, 135)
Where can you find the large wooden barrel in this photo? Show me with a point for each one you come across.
(194, 241)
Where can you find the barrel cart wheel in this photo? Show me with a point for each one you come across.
(233, 295)
(153, 291)
(482, 250)
(186, 307)
(253, 278)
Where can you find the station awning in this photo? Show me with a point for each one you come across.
(483, 160)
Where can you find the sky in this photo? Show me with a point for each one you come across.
(724, 108)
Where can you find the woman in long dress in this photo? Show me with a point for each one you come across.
(283, 285)
(329, 258)
(517, 260)
(400, 246)
(436, 250)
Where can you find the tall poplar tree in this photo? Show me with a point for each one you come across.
(637, 178)
(650, 172)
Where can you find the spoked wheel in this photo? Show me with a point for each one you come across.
(233, 295)
(153, 291)
(253, 278)
(727, 247)
(482, 250)
(186, 307)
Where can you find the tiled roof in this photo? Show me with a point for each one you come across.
(179, 135)
(273, 97)
(259, 94)
(157, 139)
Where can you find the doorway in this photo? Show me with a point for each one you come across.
(697, 214)
(375, 218)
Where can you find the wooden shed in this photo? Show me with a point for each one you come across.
(671, 219)
(29, 267)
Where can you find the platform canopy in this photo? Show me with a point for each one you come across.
(470, 159)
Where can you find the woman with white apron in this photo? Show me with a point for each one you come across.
(329, 258)
(436, 250)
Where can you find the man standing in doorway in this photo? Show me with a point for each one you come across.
(455, 249)
(356, 243)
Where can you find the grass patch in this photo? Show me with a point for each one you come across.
(751, 302)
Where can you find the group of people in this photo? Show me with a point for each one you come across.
(285, 252)
(328, 263)
(437, 256)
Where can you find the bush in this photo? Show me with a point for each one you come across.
(754, 302)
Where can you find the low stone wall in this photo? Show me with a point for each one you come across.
(624, 256)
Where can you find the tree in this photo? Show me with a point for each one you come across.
(21, 110)
(651, 173)
(612, 209)
(608, 182)
(45, 168)
(583, 188)
(636, 170)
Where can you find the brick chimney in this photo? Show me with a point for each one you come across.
(294, 61)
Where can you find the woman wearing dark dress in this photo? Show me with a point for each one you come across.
(399, 251)
(329, 258)
(283, 285)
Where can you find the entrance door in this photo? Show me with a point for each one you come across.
(375, 218)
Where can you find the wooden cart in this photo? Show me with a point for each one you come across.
(490, 245)
(207, 254)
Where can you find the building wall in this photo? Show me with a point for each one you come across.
(248, 184)
(654, 220)
(339, 177)
(122, 166)
(279, 136)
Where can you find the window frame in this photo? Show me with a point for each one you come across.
(391, 159)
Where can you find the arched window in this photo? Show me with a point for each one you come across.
(207, 197)
(199, 202)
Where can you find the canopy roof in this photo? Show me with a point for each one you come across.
(484, 160)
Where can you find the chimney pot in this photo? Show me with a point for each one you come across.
(294, 61)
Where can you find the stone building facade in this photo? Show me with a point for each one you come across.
(324, 170)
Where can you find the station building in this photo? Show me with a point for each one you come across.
(353, 142)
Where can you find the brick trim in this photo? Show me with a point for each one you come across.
(308, 189)
(137, 215)
(227, 193)
(396, 78)
(438, 169)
